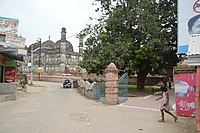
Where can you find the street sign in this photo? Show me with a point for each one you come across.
(29, 64)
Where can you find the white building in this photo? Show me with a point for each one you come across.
(54, 58)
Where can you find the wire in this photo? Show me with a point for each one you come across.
(72, 35)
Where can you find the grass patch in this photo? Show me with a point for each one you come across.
(132, 87)
(134, 92)
(123, 86)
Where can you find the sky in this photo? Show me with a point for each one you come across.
(44, 18)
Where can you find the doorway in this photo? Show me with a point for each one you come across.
(1, 73)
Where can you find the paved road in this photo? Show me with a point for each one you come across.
(57, 110)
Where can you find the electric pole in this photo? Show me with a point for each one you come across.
(31, 64)
(39, 68)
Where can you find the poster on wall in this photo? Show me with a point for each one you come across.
(10, 74)
(188, 20)
(185, 88)
(8, 26)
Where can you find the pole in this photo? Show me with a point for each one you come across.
(74, 62)
(39, 59)
(31, 64)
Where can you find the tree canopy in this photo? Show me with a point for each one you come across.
(138, 36)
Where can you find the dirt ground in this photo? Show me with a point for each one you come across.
(32, 89)
(57, 110)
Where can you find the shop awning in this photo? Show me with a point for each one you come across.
(9, 52)
(16, 57)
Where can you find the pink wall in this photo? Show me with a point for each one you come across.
(197, 100)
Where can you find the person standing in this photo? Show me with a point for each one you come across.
(165, 105)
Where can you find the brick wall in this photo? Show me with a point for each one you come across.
(150, 80)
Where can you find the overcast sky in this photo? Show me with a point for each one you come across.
(41, 18)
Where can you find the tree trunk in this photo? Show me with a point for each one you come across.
(169, 73)
(141, 76)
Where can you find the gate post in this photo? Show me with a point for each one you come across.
(111, 91)
(197, 100)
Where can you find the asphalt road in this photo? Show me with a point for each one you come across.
(56, 110)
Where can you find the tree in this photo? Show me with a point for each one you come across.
(130, 33)
(107, 43)
(168, 18)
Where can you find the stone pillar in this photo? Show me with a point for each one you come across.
(111, 91)
(197, 100)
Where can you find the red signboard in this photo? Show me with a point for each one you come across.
(10, 74)
(185, 89)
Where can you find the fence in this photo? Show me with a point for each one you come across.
(96, 91)
(123, 88)
(100, 91)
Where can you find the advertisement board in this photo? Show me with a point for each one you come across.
(21, 52)
(10, 74)
(185, 89)
(188, 21)
(8, 26)
(15, 41)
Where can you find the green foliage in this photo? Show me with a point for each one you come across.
(144, 59)
(168, 19)
(138, 36)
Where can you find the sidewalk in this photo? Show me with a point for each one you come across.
(148, 102)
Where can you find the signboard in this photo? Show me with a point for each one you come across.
(185, 88)
(29, 64)
(8, 26)
(21, 52)
(188, 19)
(15, 41)
(10, 74)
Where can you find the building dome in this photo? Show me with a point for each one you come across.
(63, 29)
(48, 44)
(63, 43)
(68, 45)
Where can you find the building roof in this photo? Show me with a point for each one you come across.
(69, 47)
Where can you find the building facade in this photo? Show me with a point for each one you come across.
(54, 58)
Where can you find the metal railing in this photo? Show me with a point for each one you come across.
(123, 88)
